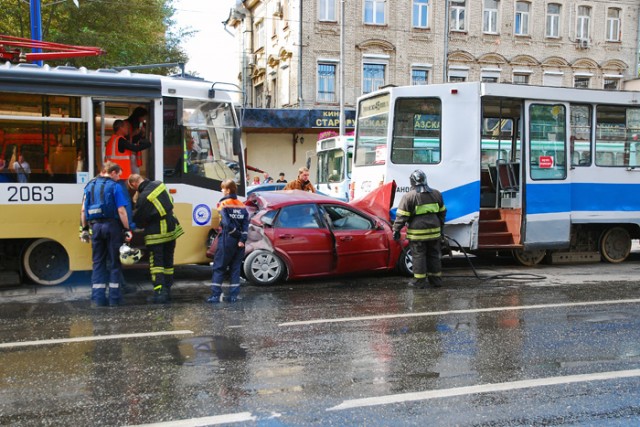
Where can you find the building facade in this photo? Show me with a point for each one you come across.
(291, 50)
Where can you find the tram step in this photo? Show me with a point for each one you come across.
(489, 214)
(492, 226)
(574, 257)
(496, 238)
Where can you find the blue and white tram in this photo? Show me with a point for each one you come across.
(540, 171)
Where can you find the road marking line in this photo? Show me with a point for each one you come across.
(483, 388)
(473, 310)
(91, 338)
(204, 421)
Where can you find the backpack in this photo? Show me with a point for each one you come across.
(99, 200)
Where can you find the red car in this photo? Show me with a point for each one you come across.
(296, 234)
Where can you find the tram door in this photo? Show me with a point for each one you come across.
(547, 207)
(138, 122)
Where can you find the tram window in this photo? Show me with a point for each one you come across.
(617, 136)
(53, 147)
(547, 145)
(416, 131)
(208, 142)
(580, 142)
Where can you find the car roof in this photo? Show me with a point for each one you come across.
(278, 199)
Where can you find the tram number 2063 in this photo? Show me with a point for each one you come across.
(34, 193)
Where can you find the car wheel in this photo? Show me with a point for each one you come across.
(263, 268)
(405, 262)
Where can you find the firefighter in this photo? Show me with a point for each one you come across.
(154, 212)
(424, 210)
(103, 209)
(230, 251)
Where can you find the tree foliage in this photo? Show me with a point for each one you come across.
(136, 32)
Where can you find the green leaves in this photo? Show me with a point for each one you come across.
(132, 33)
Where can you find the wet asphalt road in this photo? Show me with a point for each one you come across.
(491, 352)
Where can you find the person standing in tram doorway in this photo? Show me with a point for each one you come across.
(137, 133)
(424, 211)
(121, 151)
(154, 211)
(230, 251)
(103, 211)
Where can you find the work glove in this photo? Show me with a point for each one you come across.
(85, 236)
(128, 235)
(396, 236)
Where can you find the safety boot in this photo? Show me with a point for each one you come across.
(162, 296)
(419, 283)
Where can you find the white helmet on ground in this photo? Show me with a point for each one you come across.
(129, 255)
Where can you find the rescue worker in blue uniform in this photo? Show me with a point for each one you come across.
(424, 211)
(154, 212)
(233, 235)
(104, 211)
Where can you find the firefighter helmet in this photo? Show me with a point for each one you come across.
(129, 255)
(418, 181)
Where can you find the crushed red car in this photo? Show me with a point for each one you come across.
(294, 234)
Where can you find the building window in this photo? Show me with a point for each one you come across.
(458, 74)
(374, 12)
(327, 10)
(521, 79)
(490, 17)
(522, 19)
(419, 77)
(421, 13)
(490, 75)
(373, 77)
(582, 24)
(613, 25)
(611, 83)
(326, 83)
(259, 93)
(260, 37)
(456, 19)
(553, 21)
(581, 82)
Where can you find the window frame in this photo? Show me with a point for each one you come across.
(419, 69)
(420, 8)
(552, 18)
(459, 18)
(334, 97)
(368, 62)
(611, 23)
(425, 106)
(492, 14)
(583, 23)
(522, 19)
(325, 13)
(374, 5)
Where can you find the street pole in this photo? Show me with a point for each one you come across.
(36, 26)
(342, 67)
(445, 60)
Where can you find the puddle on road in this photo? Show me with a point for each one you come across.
(209, 350)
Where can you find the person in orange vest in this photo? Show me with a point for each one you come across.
(120, 149)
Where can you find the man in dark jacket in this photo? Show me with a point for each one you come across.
(154, 212)
(424, 210)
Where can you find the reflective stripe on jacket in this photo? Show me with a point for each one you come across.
(425, 214)
(154, 210)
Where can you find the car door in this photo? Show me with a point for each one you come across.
(304, 240)
(360, 244)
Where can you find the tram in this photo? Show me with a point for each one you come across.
(58, 121)
(538, 171)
